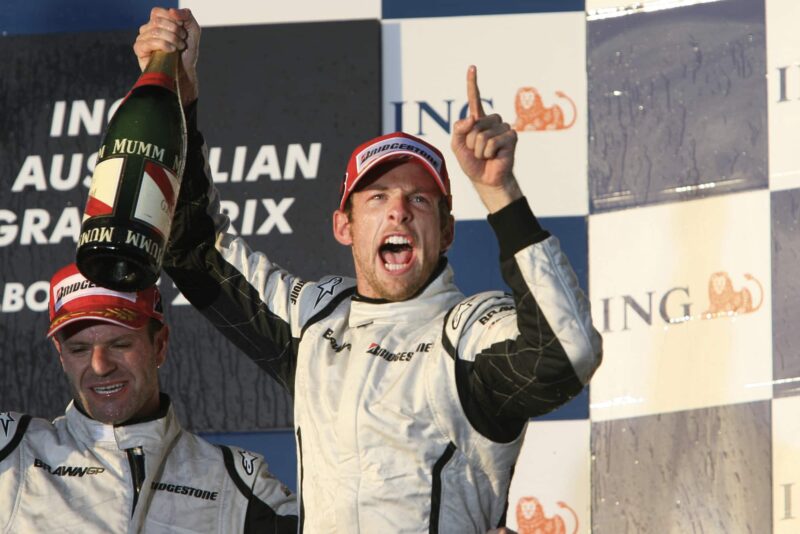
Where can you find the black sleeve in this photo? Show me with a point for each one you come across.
(240, 292)
(510, 379)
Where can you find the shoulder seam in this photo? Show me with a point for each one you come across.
(22, 427)
(227, 456)
(328, 309)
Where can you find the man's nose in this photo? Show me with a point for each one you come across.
(399, 209)
(102, 363)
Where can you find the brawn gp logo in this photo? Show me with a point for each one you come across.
(67, 470)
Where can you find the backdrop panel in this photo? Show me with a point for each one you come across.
(785, 467)
(677, 104)
(50, 16)
(216, 13)
(280, 122)
(786, 291)
(552, 479)
(681, 293)
(783, 77)
(543, 96)
(696, 471)
(393, 9)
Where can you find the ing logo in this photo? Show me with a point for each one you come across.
(532, 520)
(676, 305)
(724, 300)
(533, 115)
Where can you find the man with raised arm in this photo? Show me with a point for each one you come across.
(410, 399)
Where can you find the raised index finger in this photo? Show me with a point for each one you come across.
(474, 94)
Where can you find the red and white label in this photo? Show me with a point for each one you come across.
(157, 196)
(103, 191)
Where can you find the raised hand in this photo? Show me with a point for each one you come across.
(484, 146)
(170, 30)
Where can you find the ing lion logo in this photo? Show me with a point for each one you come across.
(724, 300)
(531, 518)
(532, 115)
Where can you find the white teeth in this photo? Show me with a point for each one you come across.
(396, 240)
(107, 390)
(393, 266)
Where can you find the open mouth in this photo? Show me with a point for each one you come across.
(396, 252)
(109, 389)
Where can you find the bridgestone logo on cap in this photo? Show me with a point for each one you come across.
(397, 144)
(76, 286)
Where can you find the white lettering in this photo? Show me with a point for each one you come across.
(68, 225)
(13, 297)
(295, 157)
(276, 216)
(37, 304)
(31, 173)
(266, 163)
(8, 232)
(91, 120)
(34, 221)
(56, 168)
(57, 124)
(249, 216)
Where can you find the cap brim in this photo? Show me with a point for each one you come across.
(124, 317)
(392, 156)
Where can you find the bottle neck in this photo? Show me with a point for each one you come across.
(163, 62)
(162, 70)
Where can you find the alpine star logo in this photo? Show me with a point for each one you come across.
(6, 420)
(67, 470)
(248, 461)
(326, 288)
(459, 312)
(389, 356)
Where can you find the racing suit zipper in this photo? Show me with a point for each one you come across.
(136, 462)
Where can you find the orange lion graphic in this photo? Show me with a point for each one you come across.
(723, 299)
(532, 115)
(531, 518)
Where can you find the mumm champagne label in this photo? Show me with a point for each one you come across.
(158, 191)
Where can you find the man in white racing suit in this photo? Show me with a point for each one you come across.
(118, 460)
(410, 399)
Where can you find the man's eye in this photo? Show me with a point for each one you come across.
(419, 199)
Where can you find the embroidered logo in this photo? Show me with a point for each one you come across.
(326, 288)
(248, 461)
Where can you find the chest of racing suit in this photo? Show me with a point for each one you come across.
(409, 416)
(76, 475)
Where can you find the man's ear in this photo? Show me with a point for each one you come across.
(161, 342)
(448, 233)
(341, 228)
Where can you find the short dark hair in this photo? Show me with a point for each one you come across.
(154, 326)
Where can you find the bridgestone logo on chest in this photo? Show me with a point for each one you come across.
(379, 351)
(67, 470)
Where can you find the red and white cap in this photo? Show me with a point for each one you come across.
(74, 298)
(390, 147)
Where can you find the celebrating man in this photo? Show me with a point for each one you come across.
(411, 400)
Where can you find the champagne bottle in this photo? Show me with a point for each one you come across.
(135, 184)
